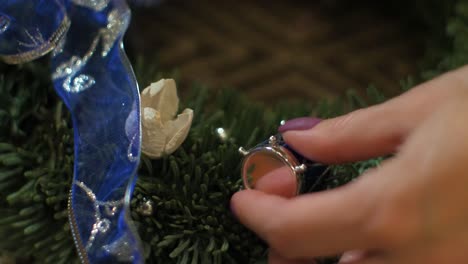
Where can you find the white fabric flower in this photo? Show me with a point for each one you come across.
(162, 131)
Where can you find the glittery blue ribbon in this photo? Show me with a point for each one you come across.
(94, 79)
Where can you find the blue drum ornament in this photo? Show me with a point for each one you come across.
(92, 75)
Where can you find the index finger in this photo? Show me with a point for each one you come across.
(376, 130)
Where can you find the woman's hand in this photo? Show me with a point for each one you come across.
(411, 209)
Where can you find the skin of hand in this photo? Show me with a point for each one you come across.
(413, 208)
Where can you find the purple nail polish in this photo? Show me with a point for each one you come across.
(301, 123)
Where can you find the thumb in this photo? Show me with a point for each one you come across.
(373, 131)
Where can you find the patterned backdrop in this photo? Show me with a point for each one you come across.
(278, 49)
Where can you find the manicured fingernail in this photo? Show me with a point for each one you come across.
(350, 257)
(302, 123)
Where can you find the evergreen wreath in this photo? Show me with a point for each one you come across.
(181, 202)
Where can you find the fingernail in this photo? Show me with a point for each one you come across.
(350, 257)
(301, 123)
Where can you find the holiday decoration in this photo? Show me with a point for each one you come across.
(95, 81)
(162, 134)
(272, 161)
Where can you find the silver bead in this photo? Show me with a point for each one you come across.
(146, 208)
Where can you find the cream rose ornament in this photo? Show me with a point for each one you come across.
(163, 132)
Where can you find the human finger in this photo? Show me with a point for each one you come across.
(373, 131)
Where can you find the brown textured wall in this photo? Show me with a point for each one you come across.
(278, 49)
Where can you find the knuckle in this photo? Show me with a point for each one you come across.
(394, 224)
(459, 79)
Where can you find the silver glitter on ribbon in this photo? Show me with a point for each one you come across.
(110, 210)
(130, 124)
(4, 23)
(35, 39)
(131, 156)
(115, 24)
(59, 47)
(73, 83)
(36, 42)
(101, 224)
(79, 83)
(68, 67)
(120, 249)
(75, 63)
(96, 5)
(76, 84)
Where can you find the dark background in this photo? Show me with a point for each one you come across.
(277, 50)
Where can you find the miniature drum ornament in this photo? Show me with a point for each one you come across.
(274, 167)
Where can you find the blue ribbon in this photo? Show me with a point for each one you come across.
(93, 77)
